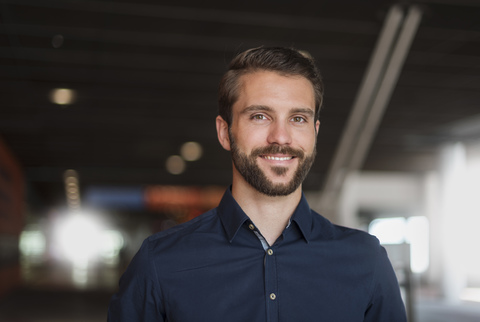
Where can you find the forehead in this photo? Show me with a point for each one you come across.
(274, 89)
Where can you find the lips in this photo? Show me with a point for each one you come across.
(277, 153)
(276, 158)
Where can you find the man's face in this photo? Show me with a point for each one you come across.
(273, 132)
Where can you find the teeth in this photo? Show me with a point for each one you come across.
(277, 158)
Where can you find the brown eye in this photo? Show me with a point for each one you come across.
(298, 119)
(258, 117)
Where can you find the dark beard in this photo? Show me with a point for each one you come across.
(247, 166)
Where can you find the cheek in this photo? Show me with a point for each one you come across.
(307, 140)
(250, 139)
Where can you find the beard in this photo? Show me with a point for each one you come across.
(248, 167)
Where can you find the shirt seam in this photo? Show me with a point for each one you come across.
(179, 229)
(157, 282)
(373, 285)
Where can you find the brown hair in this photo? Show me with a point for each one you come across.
(285, 61)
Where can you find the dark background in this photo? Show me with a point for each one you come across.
(146, 76)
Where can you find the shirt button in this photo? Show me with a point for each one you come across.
(273, 296)
(251, 226)
(270, 251)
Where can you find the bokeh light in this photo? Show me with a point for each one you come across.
(62, 96)
(175, 164)
(191, 151)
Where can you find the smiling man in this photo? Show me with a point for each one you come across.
(271, 135)
(262, 254)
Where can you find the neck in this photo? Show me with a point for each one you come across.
(269, 214)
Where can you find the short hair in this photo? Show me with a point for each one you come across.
(285, 61)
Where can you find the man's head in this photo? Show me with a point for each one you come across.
(269, 104)
(285, 61)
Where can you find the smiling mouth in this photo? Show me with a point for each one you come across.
(269, 157)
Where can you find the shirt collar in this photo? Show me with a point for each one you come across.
(302, 216)
(233, 217)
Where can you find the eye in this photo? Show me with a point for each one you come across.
(258, 117)
(299, 119)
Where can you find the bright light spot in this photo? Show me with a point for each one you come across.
(191, 151)
(389, 230)
(62, 96)
(399, 230)
(79, 237)
(110, 246)
(175, 164)
(32, 243)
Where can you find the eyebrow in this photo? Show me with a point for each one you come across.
(256, 108)
(301, 110)
(264, 108)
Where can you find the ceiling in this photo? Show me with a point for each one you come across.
(146, 76)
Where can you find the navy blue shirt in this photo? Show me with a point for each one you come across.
(214, 268)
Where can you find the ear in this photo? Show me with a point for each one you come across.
(222, 133)
(317, 126)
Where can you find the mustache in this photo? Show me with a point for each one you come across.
(278, 149)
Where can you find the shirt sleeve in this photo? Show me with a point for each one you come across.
(139, 296)
(386, 301)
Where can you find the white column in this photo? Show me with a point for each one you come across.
(453, 212)
(433, 210)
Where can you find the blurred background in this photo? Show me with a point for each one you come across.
(107, 135)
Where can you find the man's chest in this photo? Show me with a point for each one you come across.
(280, 284)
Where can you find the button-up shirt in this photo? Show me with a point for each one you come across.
(214, 268)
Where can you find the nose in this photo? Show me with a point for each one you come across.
(279, 133)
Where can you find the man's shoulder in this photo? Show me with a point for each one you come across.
(190, 244)
(344, 235)
(201, 223)
(205, 230)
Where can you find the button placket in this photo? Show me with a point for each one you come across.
(271, 284)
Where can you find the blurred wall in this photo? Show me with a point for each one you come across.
(447, 199)
(11, 219)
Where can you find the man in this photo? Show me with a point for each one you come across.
(262, 254)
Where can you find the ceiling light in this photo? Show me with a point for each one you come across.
(72, 189)
(175, 164)
(62, 96)
(191, 151)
